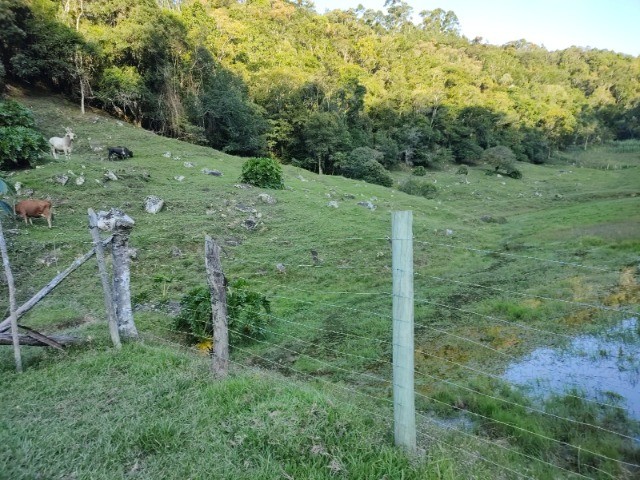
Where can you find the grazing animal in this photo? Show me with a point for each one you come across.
(62, 144)
(120, 152)
(29, 209)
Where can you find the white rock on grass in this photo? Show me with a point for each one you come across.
(153, 204)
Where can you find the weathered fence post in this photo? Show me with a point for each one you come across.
(216, 281)
(122, 277)
(104, 277)
(403, 347)
(120, 224)
(12, 301)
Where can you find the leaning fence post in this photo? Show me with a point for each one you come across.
(104, 277)
(12, 302)
(216, 281)
(403, 349)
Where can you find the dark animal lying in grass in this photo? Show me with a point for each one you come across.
(119, 152)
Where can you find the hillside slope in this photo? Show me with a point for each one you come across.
(491, 254)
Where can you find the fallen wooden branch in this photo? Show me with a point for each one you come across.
(42, 338)
(6, 323)
(62, 340)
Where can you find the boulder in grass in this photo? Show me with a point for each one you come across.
(153, 204)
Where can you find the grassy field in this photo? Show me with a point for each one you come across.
(502, 266)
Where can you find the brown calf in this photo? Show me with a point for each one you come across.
(29, 209)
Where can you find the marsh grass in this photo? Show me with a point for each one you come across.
(571, 228)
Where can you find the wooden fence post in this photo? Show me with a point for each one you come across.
(104, 277)
(122, 275)
(403, 344)
(12, 302)
(217, 288)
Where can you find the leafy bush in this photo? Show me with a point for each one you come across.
(247, 313)
(463, 170)
(467, 152)
(500, 157)
(363, 164)
(419, 188)
(20, 141)
(419, 171)
(262, 172)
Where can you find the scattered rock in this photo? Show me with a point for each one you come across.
(301, 178)
(62, 179)
(268, 199)
(250, 223)
(112, 219)
(332, 204)
(368, 205)
(492, 219)
(166, 154)
(80, 180)
(243, 186)
(245, 208)
(233, 241)
(215, 173)
(448, 232)
(179, 178)
(153, 204)
(110, 175)
(17, 187)
(281, 268)
(176, 252)
(188, 164)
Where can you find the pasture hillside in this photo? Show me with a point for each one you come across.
(502, 266)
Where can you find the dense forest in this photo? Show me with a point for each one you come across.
(333, 93)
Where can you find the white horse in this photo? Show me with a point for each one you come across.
(62, 144)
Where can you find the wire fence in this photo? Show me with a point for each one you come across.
(347, 346)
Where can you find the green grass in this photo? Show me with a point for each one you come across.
(152, 412)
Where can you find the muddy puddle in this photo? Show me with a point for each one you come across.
(604, 368)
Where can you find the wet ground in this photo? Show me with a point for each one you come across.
(605, 368)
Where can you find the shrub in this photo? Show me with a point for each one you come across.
(20, 142)
(466, 152)
(419, 171)
(463, 170)
(247, 313)
(418, 188)
(500, 157)
(362, 164)
(262, 172)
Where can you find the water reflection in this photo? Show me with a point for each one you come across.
(604, 368)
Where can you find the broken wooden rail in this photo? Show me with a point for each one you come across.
(6, 323)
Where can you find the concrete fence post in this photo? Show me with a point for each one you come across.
(403, 345)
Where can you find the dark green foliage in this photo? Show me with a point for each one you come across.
(467, 152)
(246, 86)
(419, 171)
(247, 312)
(501, 158)
(419, 188)
(363, 164)
(262, 172)
(20, 142)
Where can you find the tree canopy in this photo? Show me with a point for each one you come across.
(258, 77)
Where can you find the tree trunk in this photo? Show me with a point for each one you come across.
(12, 302)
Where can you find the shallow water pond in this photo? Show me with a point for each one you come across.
(605, 368)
